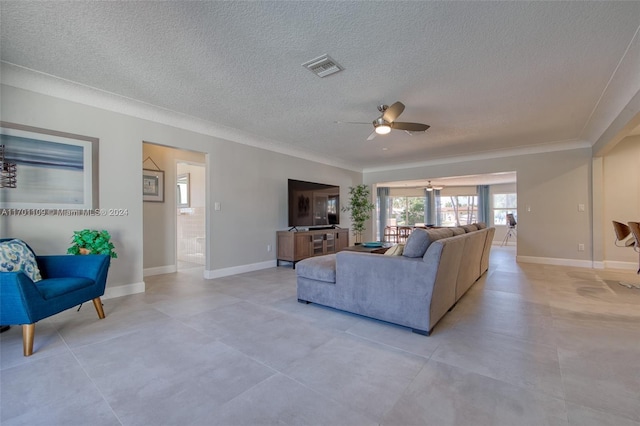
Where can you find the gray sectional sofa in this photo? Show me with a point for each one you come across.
(415, 289)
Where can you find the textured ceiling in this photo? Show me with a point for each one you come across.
(485, 75)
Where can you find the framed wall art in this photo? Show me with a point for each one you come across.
(54, 170)
(153, 185)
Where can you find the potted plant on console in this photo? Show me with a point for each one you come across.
(92, 241)
(360, 208)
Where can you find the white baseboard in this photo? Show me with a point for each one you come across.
(607, 264)
(626, 266)
(123, 290)
(225, 272)
(159, 270)
(555, 261)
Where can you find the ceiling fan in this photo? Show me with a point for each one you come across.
(383, 124)
(430, 187)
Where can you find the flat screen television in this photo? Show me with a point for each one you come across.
(313, 204)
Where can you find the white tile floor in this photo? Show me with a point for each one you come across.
(527, 345)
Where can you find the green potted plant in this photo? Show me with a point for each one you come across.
(92, 241)
(360, 208)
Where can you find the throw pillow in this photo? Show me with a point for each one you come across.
(396, 250)
(15, 256)
(417, 243)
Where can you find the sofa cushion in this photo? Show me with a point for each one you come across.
(481, 225)
(420, 240)
(470, 228)
(16, 256)
(458, 231)
(439, 233)
(54, 287)
(396, 250)
(417, 243)
(319, 268)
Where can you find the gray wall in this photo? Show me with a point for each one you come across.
(621, 197)
(551, 184)
(250, 183)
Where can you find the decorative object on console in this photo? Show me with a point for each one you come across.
(372, 244)
(360, 208)
(92, 241)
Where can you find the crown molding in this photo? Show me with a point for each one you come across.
(565, 145)
(46, 84)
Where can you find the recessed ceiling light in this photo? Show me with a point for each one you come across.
(385, 149)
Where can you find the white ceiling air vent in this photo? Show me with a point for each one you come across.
(323, 66)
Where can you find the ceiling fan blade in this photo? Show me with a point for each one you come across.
(412, 127)
(393, 112)
(372, 135)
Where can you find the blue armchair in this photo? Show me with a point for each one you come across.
(67, 281)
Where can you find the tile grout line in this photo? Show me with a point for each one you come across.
(95, 385)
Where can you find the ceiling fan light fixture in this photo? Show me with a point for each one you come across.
(383, 129)
(381, 126)
(430, 187)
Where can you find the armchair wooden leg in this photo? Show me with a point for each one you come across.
(28, 330)
(98, 304)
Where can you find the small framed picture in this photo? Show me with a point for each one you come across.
(153, 185)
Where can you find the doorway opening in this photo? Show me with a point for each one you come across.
(190, 219)
(180, 201)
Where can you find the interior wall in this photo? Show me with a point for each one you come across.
(250, 184)
(621, 193)
(551, 184)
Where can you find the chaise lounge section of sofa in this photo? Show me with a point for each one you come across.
(415, 290)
